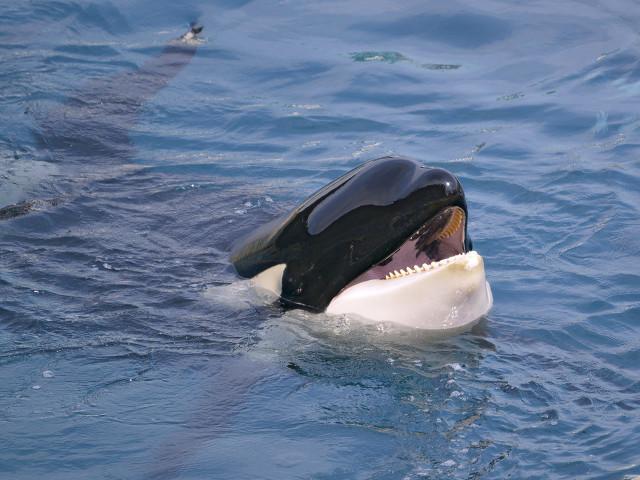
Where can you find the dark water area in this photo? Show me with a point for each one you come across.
(129, 350)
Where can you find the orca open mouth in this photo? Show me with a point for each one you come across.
(435, 243)
(433, 281)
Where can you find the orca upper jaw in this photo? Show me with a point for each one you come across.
(449, 295)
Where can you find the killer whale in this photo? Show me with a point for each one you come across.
(91, 126)
(386, 241)
(94, 122)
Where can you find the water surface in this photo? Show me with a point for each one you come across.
(126, 350)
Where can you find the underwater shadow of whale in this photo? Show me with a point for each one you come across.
(93, 124)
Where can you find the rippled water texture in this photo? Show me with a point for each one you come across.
(126, 350)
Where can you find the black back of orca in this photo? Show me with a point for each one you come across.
(347, 227)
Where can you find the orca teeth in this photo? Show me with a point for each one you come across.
(455, 222)
(404, 272)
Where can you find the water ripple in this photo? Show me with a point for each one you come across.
(117, 282)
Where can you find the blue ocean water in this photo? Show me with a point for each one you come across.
(127, 348)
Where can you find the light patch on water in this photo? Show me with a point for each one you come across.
(366, 147)
(395, 57)
(386, 57)
(604, 55)
(456, 367)
(306, 106)
(19, 177)
(628, 88)
(237, 296)
(311, 144)
(441, 66)
(248, 205)
(601, 125)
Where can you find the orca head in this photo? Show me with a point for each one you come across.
(386, 241)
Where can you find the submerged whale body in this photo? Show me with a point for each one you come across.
(94, 122)
(91, 127)
(387, 241)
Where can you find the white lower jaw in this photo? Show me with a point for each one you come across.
(450, 297)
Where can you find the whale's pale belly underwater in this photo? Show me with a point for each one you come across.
(386, 242)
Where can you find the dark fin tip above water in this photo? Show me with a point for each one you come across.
(192, 35)
(196, 28)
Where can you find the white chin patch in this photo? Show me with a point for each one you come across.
(270, 280)
(452, 294)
